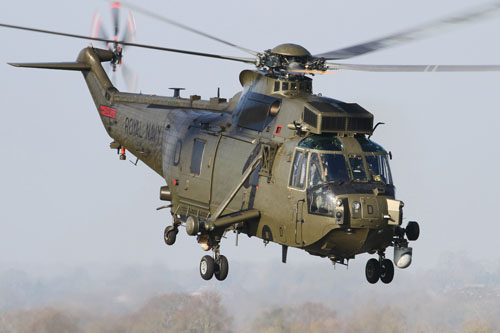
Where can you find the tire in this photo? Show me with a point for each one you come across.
(222, 268)
(207, 267)
(386, 271)
(170, 235)
(412, 231)
(372, 270)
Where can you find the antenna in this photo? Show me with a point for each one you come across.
(177, 92)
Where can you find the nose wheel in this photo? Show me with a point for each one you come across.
(170, 234)
(382, 269)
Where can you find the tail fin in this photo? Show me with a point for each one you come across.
(89, 63)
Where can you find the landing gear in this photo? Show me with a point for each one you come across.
(170, 234)
(386, 271)
(372, 270)
(222, 268)
(382, 269)
(207, 267)
(218, 266)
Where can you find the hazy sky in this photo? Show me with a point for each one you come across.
(66, 199)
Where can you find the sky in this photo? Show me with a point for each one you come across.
(67, 200)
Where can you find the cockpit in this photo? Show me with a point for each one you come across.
(328, 161)
(328, 165)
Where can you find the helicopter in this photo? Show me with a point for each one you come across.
(275, 161)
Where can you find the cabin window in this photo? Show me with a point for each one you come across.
(357, 168)
(320, 200)
(378, 167)
(284, 86)
(293, 86)
(322, 142)
(197, 157)
(334, 168)
(369, 146)
(299, 168)
(328, 168)
(315, 171)
(276, 85)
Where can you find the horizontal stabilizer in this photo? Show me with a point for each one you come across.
(67, 66)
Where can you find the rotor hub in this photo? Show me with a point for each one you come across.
(291, 50)
(289, 59)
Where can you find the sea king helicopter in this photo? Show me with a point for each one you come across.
(276, 161)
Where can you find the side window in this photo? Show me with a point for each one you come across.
(315, 173)
(196, 158)
(299, 168)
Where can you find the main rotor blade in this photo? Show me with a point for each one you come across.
(153, 47)
(415, 68)
(185, 27)
(414, 34)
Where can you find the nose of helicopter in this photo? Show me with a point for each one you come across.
(372, 211)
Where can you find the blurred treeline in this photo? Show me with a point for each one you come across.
(457, 295)
(180, 312)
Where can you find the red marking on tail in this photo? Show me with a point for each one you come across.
(107, 111)
(115, 4)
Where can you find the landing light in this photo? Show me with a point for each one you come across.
(356, 206)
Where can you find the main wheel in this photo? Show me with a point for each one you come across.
(207, 267)
(222, 269)
(372, 270)
(386, 271)
(170, 235)
(412, 231)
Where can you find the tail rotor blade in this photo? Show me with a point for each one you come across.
(115, 13)
(130, 31)
(97, 29)
(130, 78)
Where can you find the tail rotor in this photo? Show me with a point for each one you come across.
(122, 32)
